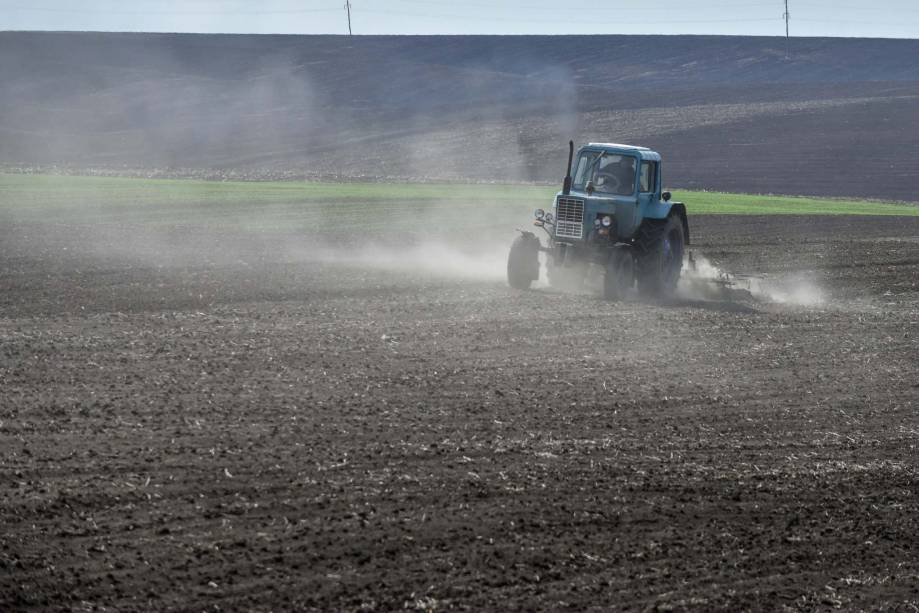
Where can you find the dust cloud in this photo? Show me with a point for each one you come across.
(179, 103)
(701, 279)
(180, 106)
(704, 280)
(429, 258)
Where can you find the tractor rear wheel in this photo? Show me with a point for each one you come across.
(523, 261)
(619, 274)
(660, 261)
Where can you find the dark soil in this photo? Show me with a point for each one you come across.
(253, 433)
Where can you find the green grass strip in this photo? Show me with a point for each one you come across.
(715, 203)
(62, 198)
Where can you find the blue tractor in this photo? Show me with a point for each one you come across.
(611, 213)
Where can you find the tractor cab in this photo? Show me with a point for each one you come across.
(617, 185)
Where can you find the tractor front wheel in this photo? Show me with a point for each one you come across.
(619, 275)
(660, 261)
(523, 261)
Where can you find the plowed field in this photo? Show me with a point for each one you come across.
(237, 426)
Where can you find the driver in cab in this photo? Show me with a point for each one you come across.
(616, 175)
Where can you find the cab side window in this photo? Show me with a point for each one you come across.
(648, 176)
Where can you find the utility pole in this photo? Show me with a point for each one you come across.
(348, 8)
(786, 16)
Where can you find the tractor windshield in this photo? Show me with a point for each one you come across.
(610, 174)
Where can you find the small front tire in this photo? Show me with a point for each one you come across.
(619, 275)
(523, 261)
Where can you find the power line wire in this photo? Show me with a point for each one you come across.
(380, 12)
(556, 9)
(516, 19)
(861, 22)
(209, 13)
(556, 21)
(852, 7)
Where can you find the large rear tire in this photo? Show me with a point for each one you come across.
(523, 261)
(661, 247)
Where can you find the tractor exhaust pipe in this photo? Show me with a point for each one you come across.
(566, 186)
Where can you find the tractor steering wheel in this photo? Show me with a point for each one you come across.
(610, 183)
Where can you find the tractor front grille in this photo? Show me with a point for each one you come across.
(569, 218)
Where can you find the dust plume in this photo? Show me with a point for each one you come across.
(704, 280)
(429, 258)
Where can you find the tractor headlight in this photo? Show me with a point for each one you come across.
(607, 221)
(549, 218)
(540, 213)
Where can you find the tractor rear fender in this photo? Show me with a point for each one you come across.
(661, 210)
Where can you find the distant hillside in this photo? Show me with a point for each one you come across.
(835, 117)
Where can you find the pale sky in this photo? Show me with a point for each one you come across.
(878, 18)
